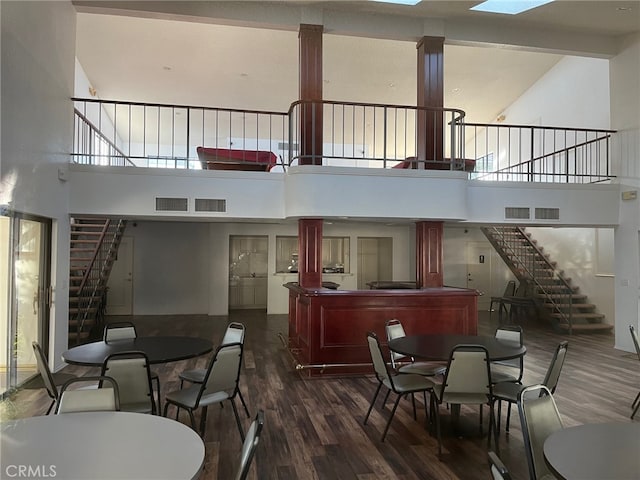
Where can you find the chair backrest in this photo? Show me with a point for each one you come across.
(249, 446)
(233, 334)
(510, 289)
(90, 399)
(223, 371)
(498, 470)
(119, 331)
(555, 367)
(468, 371)
(45, 372)
(634, 337)
(379, 365)
(511, 333)
(539, 417)
(131, 372)
(394, 329)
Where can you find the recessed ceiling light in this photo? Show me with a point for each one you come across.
(509, 7)
(455, 90)
(166, 68)
(398, 2)
(244, 74)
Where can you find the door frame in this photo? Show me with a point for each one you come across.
(43, 298)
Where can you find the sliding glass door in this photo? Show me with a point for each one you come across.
(24, 293)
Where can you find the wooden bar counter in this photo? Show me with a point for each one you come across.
(327, 328)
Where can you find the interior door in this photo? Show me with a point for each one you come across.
(479, 256)
(25, 267)
(120, 284)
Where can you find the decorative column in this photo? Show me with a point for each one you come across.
(429, 254)
(310, 253)
(310, 85)
(430, 125)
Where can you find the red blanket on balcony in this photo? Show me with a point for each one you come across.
(227, 159)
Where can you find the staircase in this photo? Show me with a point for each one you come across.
(94, 246)
(556, 298)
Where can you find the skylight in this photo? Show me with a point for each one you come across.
(399, 2)
(509, 7)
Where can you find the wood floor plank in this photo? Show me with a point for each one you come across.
(314, 427)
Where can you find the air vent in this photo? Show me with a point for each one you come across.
(164, 204)
(211, 205)
(547, 214)
(516, 213)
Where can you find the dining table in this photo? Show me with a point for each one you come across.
(100, 445)
(159, 349)
(439, 346)
(599, 451)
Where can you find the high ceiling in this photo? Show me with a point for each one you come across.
(221, 54)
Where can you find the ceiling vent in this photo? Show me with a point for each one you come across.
(211, 205)
(164, 204)
(547, 214)
(517, 213)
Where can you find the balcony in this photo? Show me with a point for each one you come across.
(336, 134)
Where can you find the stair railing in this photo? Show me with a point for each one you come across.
(91, 291)
(532, 267)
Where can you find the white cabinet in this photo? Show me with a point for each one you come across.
(248, 292)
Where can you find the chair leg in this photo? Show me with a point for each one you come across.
(635, 410)
(372, 403)
(246, 410)
(636, 400)
(386, 397)
(393, 411)
(193, 420)
(506, 429)
(436, 411)
(157, 380)
(235, 412)
(53, 402)
(413, 403)
(203, 420)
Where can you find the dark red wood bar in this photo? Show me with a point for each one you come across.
(327, 328)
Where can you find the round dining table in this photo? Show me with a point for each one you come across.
(100, 445)
(599, 451)
(439, 346)
(159, 349)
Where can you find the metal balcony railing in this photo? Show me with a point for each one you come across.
(330, 133)
(521, 153)
(376, 135)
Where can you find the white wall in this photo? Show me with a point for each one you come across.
(38, 51)
(625, 115)
(183, 267)
(574, 93)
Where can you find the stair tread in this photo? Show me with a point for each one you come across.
(579, 315)
(587, 327)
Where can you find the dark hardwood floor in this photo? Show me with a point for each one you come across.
(314, 430)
